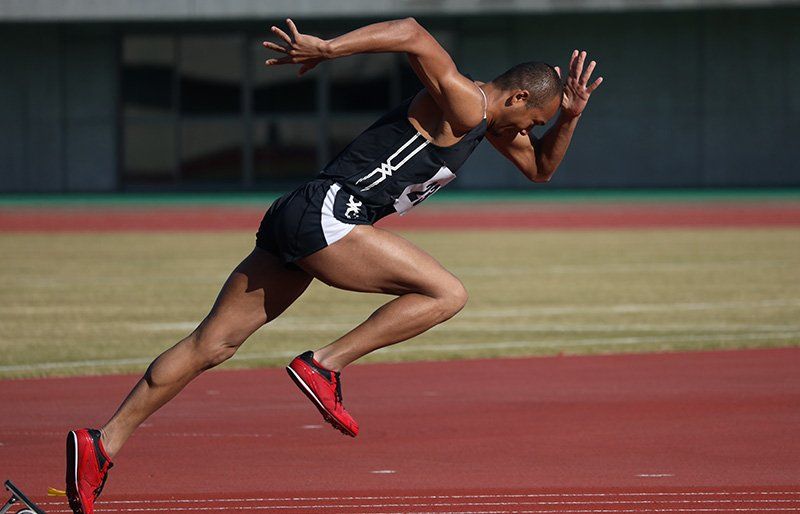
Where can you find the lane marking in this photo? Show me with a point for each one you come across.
(27, 433)
(610, 341)
(660, 495)
(635, 307)
(470, 312)
(439, 347)
(384, 472)
(655, 475)
(472, 326)
(349, 508)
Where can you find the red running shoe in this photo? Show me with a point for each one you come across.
(324, 388)
(87, 469)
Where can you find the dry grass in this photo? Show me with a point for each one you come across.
(101, 303)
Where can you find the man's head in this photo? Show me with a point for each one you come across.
(531, 95)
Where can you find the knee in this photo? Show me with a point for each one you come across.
(214, 349)
(452, 299)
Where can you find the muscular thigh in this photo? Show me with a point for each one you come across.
(373, 260)
(258, 290)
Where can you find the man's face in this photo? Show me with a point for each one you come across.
(518, 117)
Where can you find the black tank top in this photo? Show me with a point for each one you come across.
(391, 167)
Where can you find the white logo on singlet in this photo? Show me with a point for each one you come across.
(353, 208)
(387, 168)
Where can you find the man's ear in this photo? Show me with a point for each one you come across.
(521, 95)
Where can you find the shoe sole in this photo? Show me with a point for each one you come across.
(327, 416)
(72, 464)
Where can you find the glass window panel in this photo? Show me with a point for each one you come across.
(148, 66)
(211, 151)
(278, 89)
(285, 149)
(344, 130)
(210, 74)
(361, 83)
(149, 152)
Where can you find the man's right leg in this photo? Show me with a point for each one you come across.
(257, 291)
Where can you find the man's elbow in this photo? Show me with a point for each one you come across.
(411, 27)
(534, 173)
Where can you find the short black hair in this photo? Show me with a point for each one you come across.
(540, 79)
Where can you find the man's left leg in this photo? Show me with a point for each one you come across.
(372, 260)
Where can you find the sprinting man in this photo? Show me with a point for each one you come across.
(324, 229)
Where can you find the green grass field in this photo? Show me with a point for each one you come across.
(107, 303)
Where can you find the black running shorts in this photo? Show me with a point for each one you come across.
(308, 219)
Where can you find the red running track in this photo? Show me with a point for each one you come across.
(678, 432)
(480, 216)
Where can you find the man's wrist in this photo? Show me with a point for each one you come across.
(328, 51)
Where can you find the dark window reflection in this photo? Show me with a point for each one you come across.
(211, 150)
(149, 152)
(278, 89)
(148, 67)
(183, 117)
(362, 83)
(210, 74)
(285, 149)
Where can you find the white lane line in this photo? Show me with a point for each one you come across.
(384, 472)
(663, 497)
(655, 475)
(791, 337)
(617, 267)
(44, 433)
(77, 364)
(460, 326)
(466, 326)
(628, 308)
(532, 310)
(607, 341)
(349, 507)
(638, 267)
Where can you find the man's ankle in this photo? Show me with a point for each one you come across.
(326, 362)
(107, 443)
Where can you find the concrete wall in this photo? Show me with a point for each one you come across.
(689, 99)
(58, 109)
(193, 10)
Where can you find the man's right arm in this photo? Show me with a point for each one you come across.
(455, 94)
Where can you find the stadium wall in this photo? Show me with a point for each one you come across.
(692, 98)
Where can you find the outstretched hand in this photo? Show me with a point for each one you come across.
(576, 91)
(308, 51)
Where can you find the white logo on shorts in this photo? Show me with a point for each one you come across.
(353, 208)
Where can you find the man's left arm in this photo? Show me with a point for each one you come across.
(538, 159)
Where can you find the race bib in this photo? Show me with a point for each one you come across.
(417, 193)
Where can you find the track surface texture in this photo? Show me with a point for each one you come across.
(541, 215)
(669, 432)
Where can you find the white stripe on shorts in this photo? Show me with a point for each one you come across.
(332, 228)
